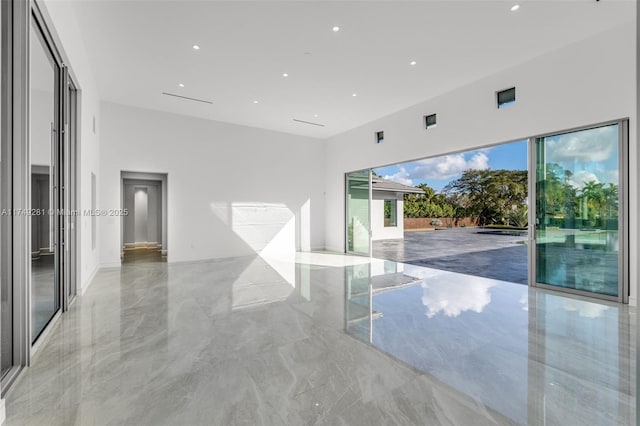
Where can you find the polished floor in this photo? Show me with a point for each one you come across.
(327, 339)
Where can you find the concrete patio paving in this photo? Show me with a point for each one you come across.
(465, 250)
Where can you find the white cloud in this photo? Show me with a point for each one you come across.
(580, 178)
(585, 146)
(448, 166)
(612, 176)
(401, 176)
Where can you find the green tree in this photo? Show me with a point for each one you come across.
(490, 195)
(427, 204)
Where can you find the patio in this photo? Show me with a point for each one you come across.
(472, 251)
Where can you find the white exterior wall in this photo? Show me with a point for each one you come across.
(378, 230)
(588, 82)
(231, 190)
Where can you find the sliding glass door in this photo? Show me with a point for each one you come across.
(358, 220)
(579, 220)
(44, 131)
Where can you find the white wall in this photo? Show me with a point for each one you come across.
(232, 190)
(378, 230)
(588, 82)
(69, 39)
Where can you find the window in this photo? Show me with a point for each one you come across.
(506, 97)
(430, 121)
(380, 137)
(390, 213)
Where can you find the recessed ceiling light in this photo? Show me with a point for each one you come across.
(335, 29)
(515, 7)
(285, 75)
(255, 102)
(315, 115)
(412, 63)
(196, 47)
(181, 85)
(354, 95)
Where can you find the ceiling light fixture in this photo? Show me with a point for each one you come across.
(285, 75)
(354, 95)
(315, 115)
(255, 102)
(196, 47)
(412, 63)
(181, 85)
(335, 29)
(515, 7)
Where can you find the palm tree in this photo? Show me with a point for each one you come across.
(594, 195)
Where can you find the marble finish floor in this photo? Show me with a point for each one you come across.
(329, 340)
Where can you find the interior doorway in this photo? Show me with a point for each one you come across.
(144, 219)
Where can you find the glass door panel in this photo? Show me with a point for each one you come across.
(358, 217)
(43, 135)
(6, 296)
(577, 197)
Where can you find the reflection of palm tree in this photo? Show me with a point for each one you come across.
(611, 200)
(601, 201)
(592, 193)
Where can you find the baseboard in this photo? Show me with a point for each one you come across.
(208, 259)
(323, 248)
(333, 249)
(3, 411)
(149, 244)
(110, 266)
(85, 285)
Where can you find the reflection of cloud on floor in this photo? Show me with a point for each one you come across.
(585, 309)
(524, 300)
(453, 294)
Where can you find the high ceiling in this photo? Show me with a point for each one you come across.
(140, 49)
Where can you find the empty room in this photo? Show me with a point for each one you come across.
(319, 212)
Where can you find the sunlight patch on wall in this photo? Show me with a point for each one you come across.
(259, 223)
(270, 230)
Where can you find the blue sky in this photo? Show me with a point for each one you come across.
(437, 172)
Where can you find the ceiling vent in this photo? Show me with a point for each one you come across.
(187, 98)
(308, 122)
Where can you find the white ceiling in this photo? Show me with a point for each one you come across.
(140, 49)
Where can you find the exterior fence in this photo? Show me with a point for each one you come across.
(444, 222)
